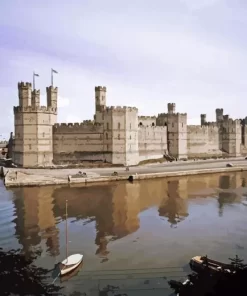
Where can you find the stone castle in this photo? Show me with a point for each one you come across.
(116, 135)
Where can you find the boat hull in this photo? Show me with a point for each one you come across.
(198, 263)
(71, 263)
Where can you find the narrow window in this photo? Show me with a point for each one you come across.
(106, 136)
(119, 125)
(118, 136)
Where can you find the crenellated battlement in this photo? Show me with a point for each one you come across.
(173, 114)
(120, 108)
(152, 128)
(77, 124)
(230, 121)
(52, 88)
(212, 124)
(36, 91)
(87, 126)
(100, 88)
(24, 84)
(202, 129)
(146, 117)
(38, 109)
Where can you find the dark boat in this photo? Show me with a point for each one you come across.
(199, 263)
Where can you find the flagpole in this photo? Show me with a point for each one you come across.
(51, 77)
(33, 81)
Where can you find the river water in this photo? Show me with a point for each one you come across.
(134, 236)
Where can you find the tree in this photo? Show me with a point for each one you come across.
(20, 277)
(237, 263)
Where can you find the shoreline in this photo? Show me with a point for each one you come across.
(27, 180)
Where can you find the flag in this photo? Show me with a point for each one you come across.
(36, 74)
(54, 71)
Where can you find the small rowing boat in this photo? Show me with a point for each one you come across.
(198, 263)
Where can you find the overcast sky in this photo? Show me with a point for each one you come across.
(147, 53)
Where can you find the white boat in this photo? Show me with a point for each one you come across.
(70, 263)
(73, 261)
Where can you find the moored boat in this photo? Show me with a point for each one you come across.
(198, 263)
(73, 261)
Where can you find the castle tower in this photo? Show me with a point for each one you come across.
(100, 98)
(121, 135)
(176, 132)
(203, 119)
(171, 108)
(33, 127)
(35, 102)
(219, 115)
(51, 96)
(100, 103)
(24, 91)
(231, 141)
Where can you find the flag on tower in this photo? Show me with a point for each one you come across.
(36, 74)
(54, 71)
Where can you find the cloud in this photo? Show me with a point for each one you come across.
(148, 54)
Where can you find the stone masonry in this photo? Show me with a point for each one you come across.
(116, 135)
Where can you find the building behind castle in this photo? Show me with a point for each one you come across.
(116, 135)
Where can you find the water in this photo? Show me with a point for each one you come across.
(134, 236)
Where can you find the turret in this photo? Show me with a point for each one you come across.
(171, 107)
(51, 95)
(35, 98)
(100, 98)
(24, 92)
(203, 119)
(219, 115)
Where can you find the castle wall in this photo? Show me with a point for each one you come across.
(73, 143)
(203, 141)
(147, 120)
(152, 142)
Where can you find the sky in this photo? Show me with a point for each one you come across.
(147, 53)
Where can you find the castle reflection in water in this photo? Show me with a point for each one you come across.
(115, 208)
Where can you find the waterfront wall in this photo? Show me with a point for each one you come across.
(152, 142)
(73, 143)
(203, 141)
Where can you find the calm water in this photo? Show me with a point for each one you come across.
(130, 234)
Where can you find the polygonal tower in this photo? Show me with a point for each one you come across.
(219, 115)
(176, 133)
(171, 108)
(203, 119)
(33, 144)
